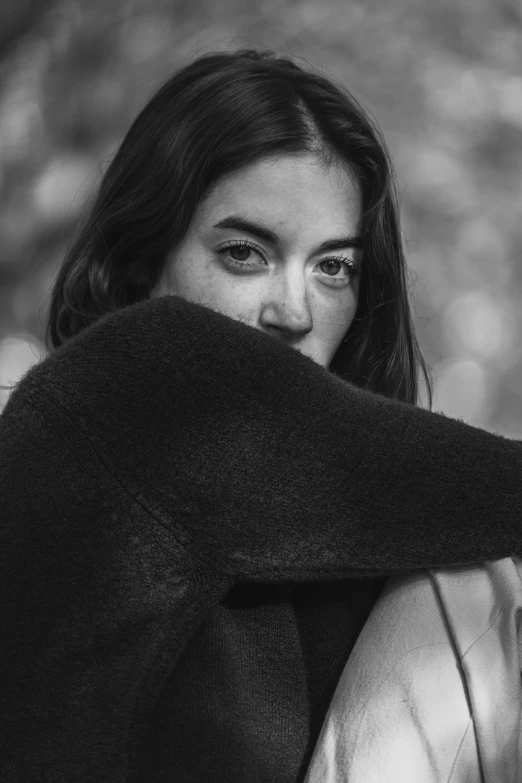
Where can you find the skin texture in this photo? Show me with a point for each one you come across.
(289, 291)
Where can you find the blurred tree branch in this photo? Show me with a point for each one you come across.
(17, 18)
(510, 12)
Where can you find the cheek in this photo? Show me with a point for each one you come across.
(337, 316)
(204, 285)
(191, 278)
(332, 326)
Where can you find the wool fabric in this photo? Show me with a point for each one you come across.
(195, 522)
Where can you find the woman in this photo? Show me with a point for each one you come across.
(198, 518)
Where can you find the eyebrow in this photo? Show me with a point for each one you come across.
(262, 232)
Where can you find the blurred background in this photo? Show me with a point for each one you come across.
(443, 79)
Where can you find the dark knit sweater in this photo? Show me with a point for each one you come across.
(195, 520)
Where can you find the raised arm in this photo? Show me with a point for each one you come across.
(168, 452)
(269, 466)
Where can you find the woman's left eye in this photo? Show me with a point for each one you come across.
(243, 246)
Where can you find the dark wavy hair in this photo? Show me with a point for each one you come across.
(224, 111)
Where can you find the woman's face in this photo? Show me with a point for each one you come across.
(282, 282)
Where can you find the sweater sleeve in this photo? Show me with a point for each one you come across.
(168, 452)
(265, 463)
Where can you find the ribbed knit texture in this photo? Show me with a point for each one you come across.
(178, 491)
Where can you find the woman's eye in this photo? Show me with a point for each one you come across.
(240, 250)
(351, 266)
(330, 266)
(243, 249)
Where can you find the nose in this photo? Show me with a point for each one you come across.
(287, 308)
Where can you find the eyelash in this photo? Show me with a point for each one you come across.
(350, 265)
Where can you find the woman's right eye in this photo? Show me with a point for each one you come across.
(238, 247)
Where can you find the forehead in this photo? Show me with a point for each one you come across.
(288, 188)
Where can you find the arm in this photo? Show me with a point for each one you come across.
(168, 452)
(270, 466)
(97, 601)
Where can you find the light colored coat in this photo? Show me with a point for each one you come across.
(432, 690)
